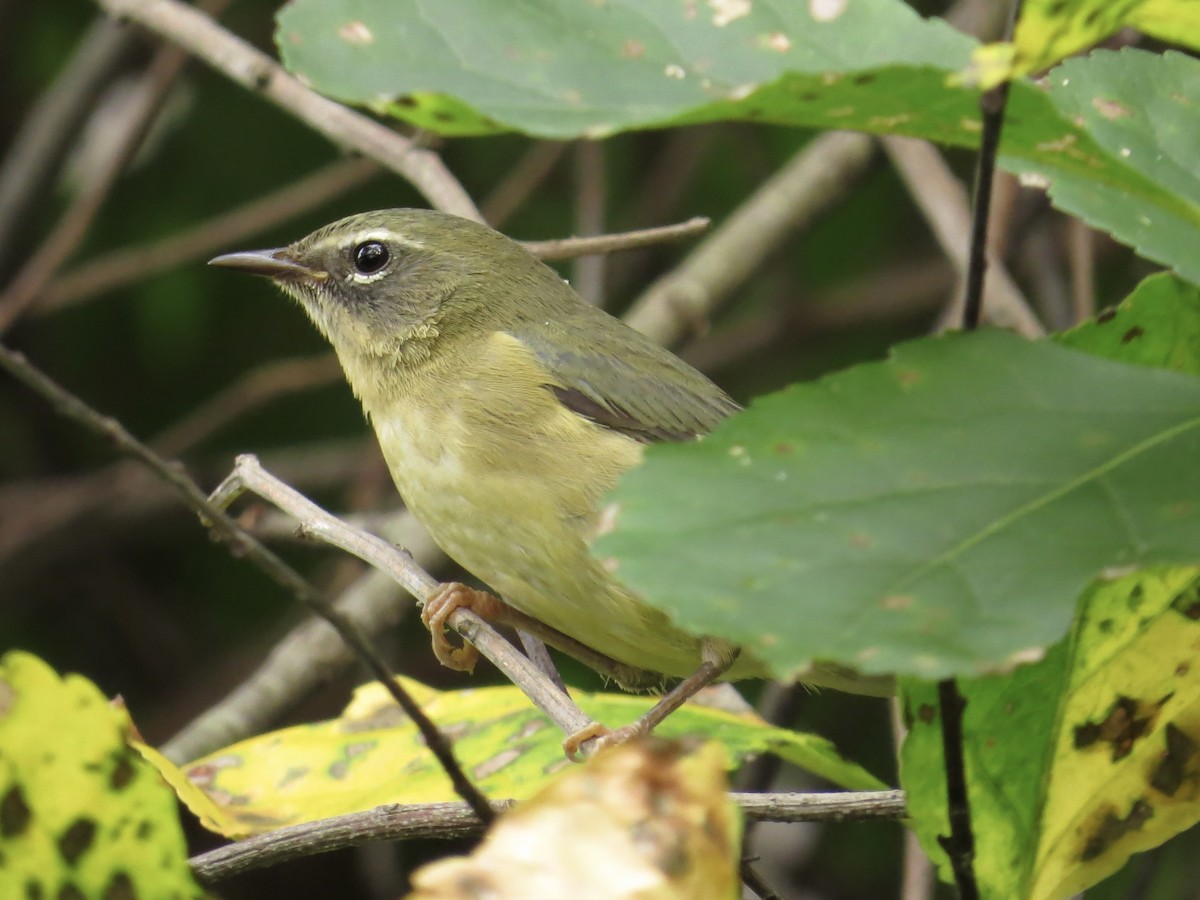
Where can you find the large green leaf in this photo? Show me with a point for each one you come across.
(1076, 762)
(936, 514)
(566, 68)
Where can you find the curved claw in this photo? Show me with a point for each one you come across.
(439, 607)
(603, 735)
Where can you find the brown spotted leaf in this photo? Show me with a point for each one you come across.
(1077, 762)
(81, 814)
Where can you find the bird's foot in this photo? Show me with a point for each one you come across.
(603, 737)
(718, 656)
(441, 604)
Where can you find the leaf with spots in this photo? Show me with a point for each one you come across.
(373, 754)
(1051, 30)
(1079, 761)
(645, 819)
(1143, 111)
(936, 514)
(81, 814)
(1157, 325)
(1112, 137)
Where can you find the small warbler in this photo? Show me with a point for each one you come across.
(506, 407)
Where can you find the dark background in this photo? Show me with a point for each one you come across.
(127, 589)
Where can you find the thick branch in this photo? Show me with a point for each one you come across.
(452, 820)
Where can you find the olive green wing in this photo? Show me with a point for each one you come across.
(614, 376)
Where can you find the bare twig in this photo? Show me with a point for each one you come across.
(160, 77)
(567, 248)
(255, 71)
(674, 305)
(959, 845)
(943, 201)
(131, 264)
(526, 176)
(246, 545)
(1081, 246)
(45, 137)
(451, 820)
(590, 213)
(248, 475)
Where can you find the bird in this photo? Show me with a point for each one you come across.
(507, 407)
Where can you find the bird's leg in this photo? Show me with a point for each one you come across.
(437, 609)
(717, 657)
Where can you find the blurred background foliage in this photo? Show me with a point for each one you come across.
(99, 576)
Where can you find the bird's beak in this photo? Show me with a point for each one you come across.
(270, 263)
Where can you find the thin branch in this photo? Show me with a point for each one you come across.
(569, 248)
(959, 845)
(248, 475)
(453, 820)
(944, 203)
(1081, 255)
(257, 72)
(679, 303)
(131, 264)
(590, 213)
(24, 289)
(244, 544)
(991, 104)
(754, 880)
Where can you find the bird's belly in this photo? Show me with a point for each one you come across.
(506, 526)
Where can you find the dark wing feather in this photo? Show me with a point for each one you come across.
(620, 379)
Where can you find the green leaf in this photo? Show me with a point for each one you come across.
(570, 68)
(1143, 110)
(1157, 325)
(372, 754)
(1079, 761)
(936, 514)
(563, 68)
(81, 814)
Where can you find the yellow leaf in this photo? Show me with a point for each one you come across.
(81, 815)
(374, 755)
(1051, 30)
(643, 821)
(1125, 775)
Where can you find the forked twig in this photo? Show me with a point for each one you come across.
(245, 544)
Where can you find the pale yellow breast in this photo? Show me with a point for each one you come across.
(508, 483)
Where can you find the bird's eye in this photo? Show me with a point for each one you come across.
(370, 257)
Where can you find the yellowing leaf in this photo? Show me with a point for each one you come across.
(374, 755)
(643, 821)
(81, 815)
(1077, 762)
(1051, 30)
